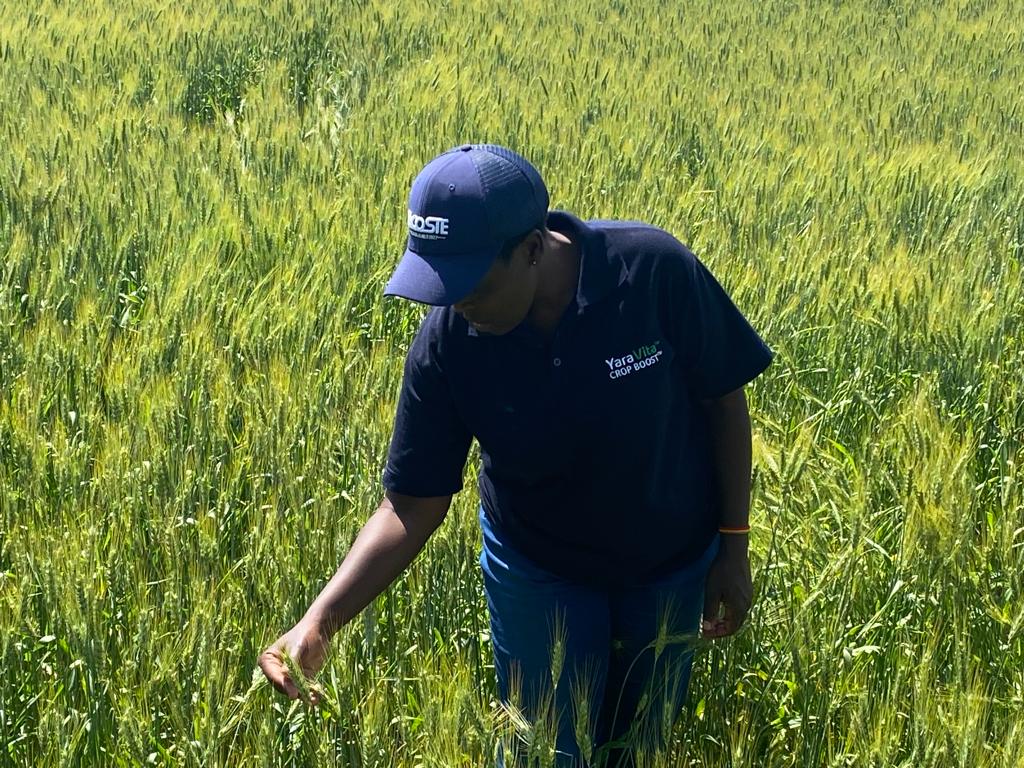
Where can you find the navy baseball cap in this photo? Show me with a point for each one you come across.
(463, 206)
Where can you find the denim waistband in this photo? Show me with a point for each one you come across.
(498, 553)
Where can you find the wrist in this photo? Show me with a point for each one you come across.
(317, 617)
(733, 543)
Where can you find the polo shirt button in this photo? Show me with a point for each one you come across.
(557, 361)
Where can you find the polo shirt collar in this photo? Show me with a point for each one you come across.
(601, 272)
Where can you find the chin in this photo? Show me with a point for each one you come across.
(497, 327)
(492, 330)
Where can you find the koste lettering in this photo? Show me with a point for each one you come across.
(428, 227)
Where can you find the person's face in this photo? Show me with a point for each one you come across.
(502, 299)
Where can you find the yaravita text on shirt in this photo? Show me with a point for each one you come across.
(640, 358)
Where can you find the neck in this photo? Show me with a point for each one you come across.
(557, 282)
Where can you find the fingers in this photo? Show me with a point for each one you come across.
(729, 623)
(715, 628)
(712, 600)
(713, 624)
(725, 606)
(273, 667)
(276, 670)
(724, 624)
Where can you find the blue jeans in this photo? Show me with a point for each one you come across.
(619, 679)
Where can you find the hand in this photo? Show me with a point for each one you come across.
(307, 644)
(728, 588)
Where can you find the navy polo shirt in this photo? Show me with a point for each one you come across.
(597, 463)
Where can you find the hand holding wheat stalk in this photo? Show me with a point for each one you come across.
(294, 658)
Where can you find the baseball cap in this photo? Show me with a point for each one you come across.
(463, 206)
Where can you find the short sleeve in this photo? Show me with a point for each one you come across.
(721, 351)
(429, 442)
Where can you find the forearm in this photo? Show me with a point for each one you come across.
(382, 550)
(729, 427)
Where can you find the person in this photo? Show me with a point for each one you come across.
(600, 366)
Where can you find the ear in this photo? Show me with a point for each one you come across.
(534, 246)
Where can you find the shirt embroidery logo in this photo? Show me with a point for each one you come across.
(642, 357)
(428, 227)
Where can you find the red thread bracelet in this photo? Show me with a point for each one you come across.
(745, 529)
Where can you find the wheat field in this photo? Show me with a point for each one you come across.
(200, 203)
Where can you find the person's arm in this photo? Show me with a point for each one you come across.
(720, 352)
(729, 588)
(729, 426)
(385, 546)
(389, 541)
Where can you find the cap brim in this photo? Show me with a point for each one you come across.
(438, 280)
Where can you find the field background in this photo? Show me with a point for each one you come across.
(200, 203)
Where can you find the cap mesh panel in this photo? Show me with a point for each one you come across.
(540, 191)
(511, 186)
